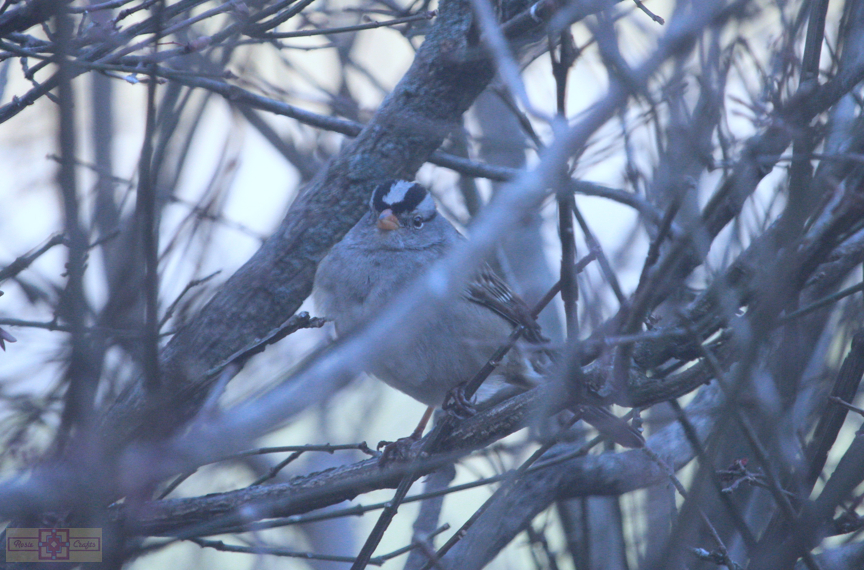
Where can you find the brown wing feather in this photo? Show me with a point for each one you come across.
(492, 292)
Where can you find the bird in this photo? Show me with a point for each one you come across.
(400, 236)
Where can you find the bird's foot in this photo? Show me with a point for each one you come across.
(458, 404)
(399, 450)
(403, 448)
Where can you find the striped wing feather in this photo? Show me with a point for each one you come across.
(490, 291)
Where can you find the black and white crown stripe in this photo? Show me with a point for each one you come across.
(399, 196)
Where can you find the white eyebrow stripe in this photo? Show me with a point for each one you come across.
(397, 192)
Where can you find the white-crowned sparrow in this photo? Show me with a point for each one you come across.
(395, 242)
(400, 236)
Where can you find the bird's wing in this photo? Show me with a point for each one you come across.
(492, 292)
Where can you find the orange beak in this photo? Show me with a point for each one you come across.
(387, 221)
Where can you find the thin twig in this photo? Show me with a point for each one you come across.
(276, 468)
(301, 320)
(823, 302)
(508, 70)
(129, 11)
(83, 382)
(175, 483)
(355, 28)
(192, 284)
(847, 405)
(597, 250)
(23, 262)
(325, 447)
(649, 13)
(148, 226)
(276, 551)
(566, 201)
(96, 7)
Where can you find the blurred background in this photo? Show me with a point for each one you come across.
(227, 173)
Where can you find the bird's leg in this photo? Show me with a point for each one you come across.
(400, 449)
(456, 402)
(421, 427)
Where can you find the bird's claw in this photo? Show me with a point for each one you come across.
(458, 404)
(399, 450)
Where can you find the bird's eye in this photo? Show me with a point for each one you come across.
(418, 222)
